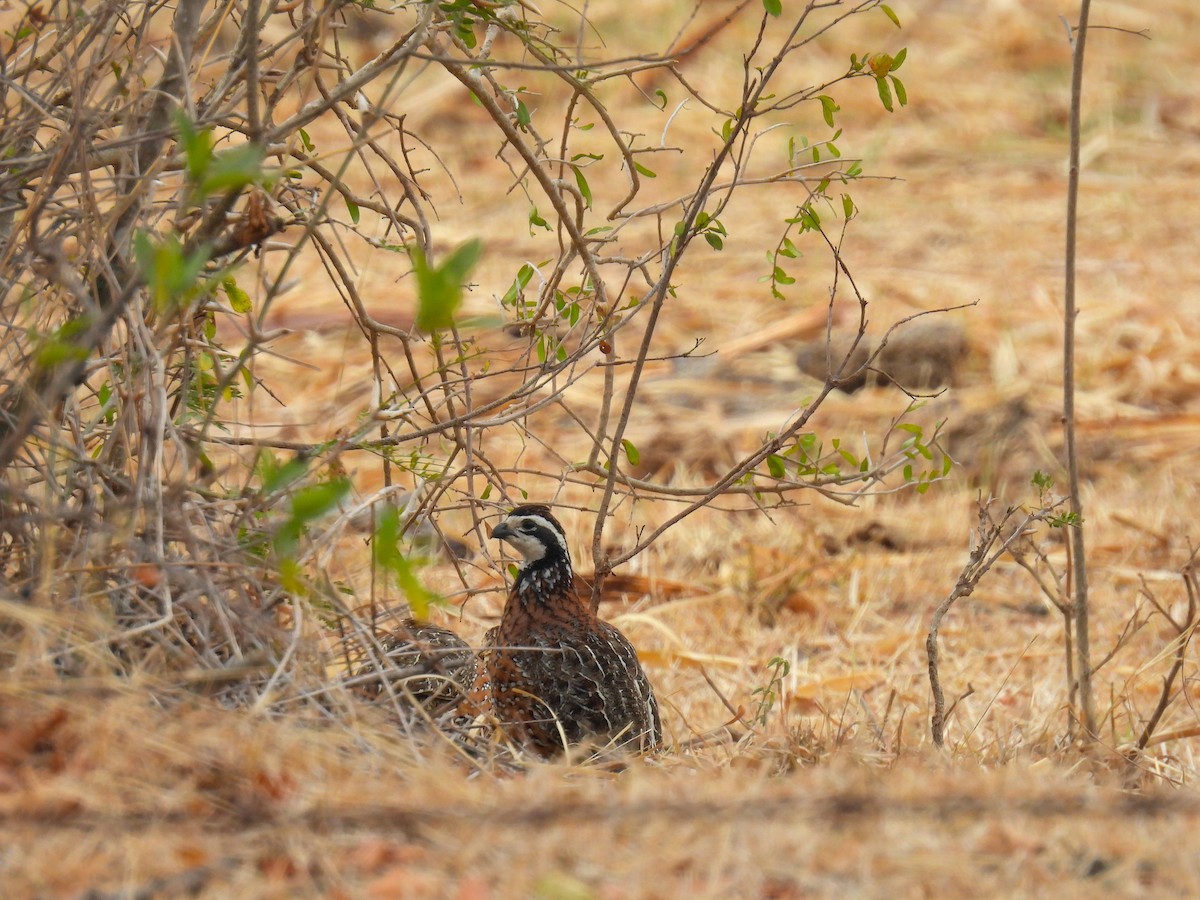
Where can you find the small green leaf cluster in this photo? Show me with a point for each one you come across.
(807, 459)
(209, 172)
(1044, 483)
(61, 345)
(806, 217)
(768, 693)
(708, 226)
(204, 388)
(462, 15)
(306, 504)
(917, 447)
(568, 304)
(171, 271)
(883, 67)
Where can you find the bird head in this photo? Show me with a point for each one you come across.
(534, 533)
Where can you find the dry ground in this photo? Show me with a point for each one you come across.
(104, 793)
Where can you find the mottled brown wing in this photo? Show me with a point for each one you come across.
(574, 687)
(434, 664)
(630, 709)
(477, 701)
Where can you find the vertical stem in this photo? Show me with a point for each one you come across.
(1078, 556)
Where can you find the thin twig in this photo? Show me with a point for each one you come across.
(1080, 610)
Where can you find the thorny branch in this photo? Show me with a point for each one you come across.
(1185, 631)
(991, 541)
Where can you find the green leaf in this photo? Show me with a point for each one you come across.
(714, 240)
(104, 395)
(847, 206)
(775, 466)
(275, 476)
(647, 172)
(239, 300)
(885, 93)
(901, 93)
(439, 289)
(466, 33)
(887, 11)
(583, 187)
(524, 274)
(898, 59)
(196, 146)
(828, 108)
(309, 146)
(308, 503)
(385, 549)
(773, 7)
(523, 116)
(848, 456)
(631, 452)
(352, 208)
(171, 275)
(314, 501)
(233, 169)
(62, 346)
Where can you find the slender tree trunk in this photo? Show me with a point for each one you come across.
(1078, 554)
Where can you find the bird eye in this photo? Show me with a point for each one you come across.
(528, 527)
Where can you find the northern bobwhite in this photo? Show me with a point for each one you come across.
(557, 675)
(435, 666)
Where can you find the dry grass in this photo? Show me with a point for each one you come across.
(106, 793)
